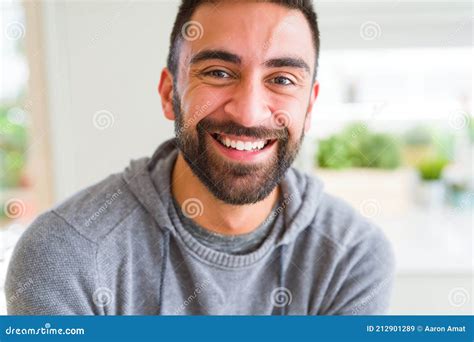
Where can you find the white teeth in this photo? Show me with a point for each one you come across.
(242, 145)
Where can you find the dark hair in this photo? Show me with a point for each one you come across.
(188, 7)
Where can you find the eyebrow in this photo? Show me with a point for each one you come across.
(215, 54)
(293, 62)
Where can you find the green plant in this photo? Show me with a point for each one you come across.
(380, 151)
(334, 153)
(13, 146)
(432, 168)
(357, 146)
(444, 144)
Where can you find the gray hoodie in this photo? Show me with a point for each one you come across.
(118, 248)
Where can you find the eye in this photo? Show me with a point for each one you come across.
(218, 74)
(283, 81)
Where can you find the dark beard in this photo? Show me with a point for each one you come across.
(231, 182)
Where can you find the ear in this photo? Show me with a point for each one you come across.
(165, 89)
(312, 100)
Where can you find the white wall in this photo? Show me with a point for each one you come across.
(371, 24)
(433, 294)
(104, 56)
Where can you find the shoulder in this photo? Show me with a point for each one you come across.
(345, 226)
(94, 211)
(78, 223)
(47, 240)
(51, 264)
(54, 267)
(357, 255)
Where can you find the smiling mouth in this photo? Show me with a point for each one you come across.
(246, 144)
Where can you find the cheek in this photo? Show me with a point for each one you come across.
(198, 105)
(296, 130)
(292, 113)
(202, 101)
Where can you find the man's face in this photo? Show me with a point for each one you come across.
(243, 96)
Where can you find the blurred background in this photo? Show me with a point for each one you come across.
(392, 129)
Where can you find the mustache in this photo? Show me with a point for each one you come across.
(232, 128)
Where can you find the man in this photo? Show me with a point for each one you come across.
(216, 222)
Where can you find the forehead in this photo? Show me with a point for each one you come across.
(256, 31)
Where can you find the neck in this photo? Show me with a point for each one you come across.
(217, 216)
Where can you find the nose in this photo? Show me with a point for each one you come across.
(248, 105)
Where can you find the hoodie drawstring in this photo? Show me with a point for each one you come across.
(165, 247)
(281, 280)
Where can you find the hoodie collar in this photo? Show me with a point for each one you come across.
(301, 194)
